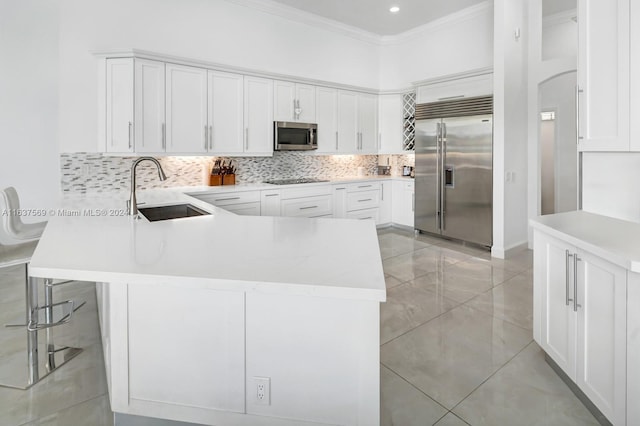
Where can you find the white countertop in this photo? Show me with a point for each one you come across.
(322, 257)
(615, 240)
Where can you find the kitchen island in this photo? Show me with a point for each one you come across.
(224, 319)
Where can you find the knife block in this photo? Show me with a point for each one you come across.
(215, 180)
(229, 179)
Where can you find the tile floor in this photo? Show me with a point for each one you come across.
(456, 337)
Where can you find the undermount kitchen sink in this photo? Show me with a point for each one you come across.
(175, 211)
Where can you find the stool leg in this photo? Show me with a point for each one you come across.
(32, 336)
(48, 314)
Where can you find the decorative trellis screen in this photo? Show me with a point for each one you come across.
(409, 115)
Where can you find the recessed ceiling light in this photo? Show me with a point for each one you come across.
(394, 9)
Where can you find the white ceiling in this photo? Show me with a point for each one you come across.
(552, 7)
(374, 16)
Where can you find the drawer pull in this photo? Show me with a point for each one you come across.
(309, 207)
(365, 218)
(271, 195)
(365, 186)
(366, 199)
(227, 199)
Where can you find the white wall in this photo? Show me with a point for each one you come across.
(441, 48)
(559, 39)
(510, 127)
(29, 101)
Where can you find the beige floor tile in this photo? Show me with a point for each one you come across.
(95, 412)
(511, 301)
(525, 392)
(395, 244)
(408, 266)
(448, 357)
(404, 405)
(451, 420)
(516, 263)
(391, 282)
(409, 306)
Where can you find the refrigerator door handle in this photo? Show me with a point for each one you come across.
(443, 199)
(438, 176)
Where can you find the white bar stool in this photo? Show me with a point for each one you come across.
(18, 241)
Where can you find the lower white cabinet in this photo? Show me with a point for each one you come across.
(245, 203)
(580, 321)
(318, 206)
(403, 206)
(270, 202)
(386, 200)
(363, 200)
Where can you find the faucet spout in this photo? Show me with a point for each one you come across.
(133, 204)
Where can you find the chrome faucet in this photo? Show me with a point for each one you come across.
(132, 204)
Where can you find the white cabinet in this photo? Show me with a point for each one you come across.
(327, 119)
(368, 123)
(294, 102)
(119, 105)
(603, 75)
(580, 302)
(363, 200)
(348, 133)
(270, 202)
(463, 87)
(186, 109)
(634, 59)
(243, 203)
(149, 109)
(386, 194)
(402, 210)
(307, 201)
(225, 113)
(391, 124)
(258, 116)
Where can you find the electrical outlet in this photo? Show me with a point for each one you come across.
(262, 388)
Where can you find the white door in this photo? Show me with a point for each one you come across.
(186, 109)
(149, 106)
(368, 123)
(284, 99)
(391, 122)
(226, 116)
(327, 119)
(602, 350)
(119, 105)
(258, 116)
(347, 122)
(603, 75)
(554, 276)
(306, 103)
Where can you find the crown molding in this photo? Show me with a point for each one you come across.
(457, 17)
(560, 18)
(297, 15)
(478, 72)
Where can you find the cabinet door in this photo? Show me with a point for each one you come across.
(603, 75)
(601, 351)
(634, 106)
(258, 116)
(385, 202)
(149, 106)
(368, 123)
(327, 119)
(347, 122)
(119, 105)
(186, 109)
(284, 98)
(270, 202)
(553, 275)
(340, 201)
(226, 117)
(403, 203)
(410, 202)
(306, 99)
(391, 121)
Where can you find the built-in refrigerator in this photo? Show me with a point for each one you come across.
(453, 169)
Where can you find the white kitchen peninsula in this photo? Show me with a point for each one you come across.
(226, 319)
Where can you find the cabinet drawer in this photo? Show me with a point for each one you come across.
(363, 200)
(306, 191)
(369, 214)
(228, 198)
(364, 186)
(244, 209)
(307, 207)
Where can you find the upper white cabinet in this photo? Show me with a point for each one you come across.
(258, 116)
(348, 133)
(580, 320)
(119, 105)
(603, 75)
(327, 119)
(294, 102)
(186, 109)
(225, 113)
(464, 87)
(368, 123)
(149, 109)
(391, 124)
(634, 106)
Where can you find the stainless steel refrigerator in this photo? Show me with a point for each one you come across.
(453, 170)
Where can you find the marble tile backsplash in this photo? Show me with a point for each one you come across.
(83, 172)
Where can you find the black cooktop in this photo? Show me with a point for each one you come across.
(293, 181)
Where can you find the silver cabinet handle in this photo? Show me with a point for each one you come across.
(309, 207)
(382, 192)
(576, 259)
(227, 199)
(130, 127)
(413, 203)
(360, 140)
(366, 218)
(336, 141)
(340, 189)
(206, 137)
(246, 138)
(211, 137)
(365, 199)
(271, 195)
(294, 110)
(364, 186)
(578, 91)
(164, 136)
(567, 256)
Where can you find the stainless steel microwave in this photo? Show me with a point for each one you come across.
(289, 136)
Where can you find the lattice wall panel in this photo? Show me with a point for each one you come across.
(409, 114)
